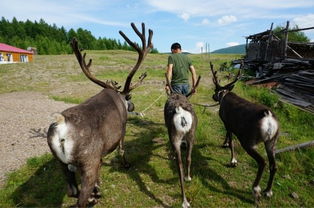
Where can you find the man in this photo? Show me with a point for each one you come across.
(178, 69)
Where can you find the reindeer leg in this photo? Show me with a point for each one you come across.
(96, 191)
(226, 142)
(89, 176)
(189, 157)
(269, 146)
(72, 190)
(121, 152)
(176, 142)
(261, 165)
(233, 161)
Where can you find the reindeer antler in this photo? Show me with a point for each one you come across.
(142, 52)
(235, 80)
(216, 82)
(194, 87)
(113, 84)
(85, 67)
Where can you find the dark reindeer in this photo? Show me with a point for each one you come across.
(252, 124)
(83, 134)
(181, 122)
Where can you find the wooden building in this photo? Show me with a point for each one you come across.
(10, 54)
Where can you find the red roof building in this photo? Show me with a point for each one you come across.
(10, 54)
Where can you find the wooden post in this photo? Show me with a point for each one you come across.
(270, 34)
(285, 41)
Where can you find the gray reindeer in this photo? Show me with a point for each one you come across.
(83, 134)
(181, 122)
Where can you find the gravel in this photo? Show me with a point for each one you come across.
(24, 121)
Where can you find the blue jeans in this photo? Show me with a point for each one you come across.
(181, 88)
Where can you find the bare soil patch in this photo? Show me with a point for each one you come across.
(24, 121)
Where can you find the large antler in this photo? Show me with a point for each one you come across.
(85, 67)
(216, 82)
(234, 81)
(142, 52)
(194, 87)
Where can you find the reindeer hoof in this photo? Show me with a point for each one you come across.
(225, 145)
(92, 201)
(233, 163)
(188, 178)
(257, 193)
(268, 193)
(186, 204)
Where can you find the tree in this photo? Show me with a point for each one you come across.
(297, 36)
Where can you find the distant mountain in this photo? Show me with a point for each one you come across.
(239, 49)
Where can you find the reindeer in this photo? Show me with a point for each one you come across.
(181, 122)
(252, 124)
(83, 134)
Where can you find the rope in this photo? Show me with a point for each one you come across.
(206, 105)
(142, 114)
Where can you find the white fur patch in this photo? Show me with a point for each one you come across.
(269, 126)
(186, 204)
(182, 120)
(62, 144)
(257, 189)
(269, 193)
(234, 161)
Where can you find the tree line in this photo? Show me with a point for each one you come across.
(50, 39)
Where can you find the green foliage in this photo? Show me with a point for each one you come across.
(49, 39)
(298, 36)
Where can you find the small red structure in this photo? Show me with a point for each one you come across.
(10, 54)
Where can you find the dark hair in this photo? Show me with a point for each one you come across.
(175, 46)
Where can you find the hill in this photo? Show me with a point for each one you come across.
(239, 49)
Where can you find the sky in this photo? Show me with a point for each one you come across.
(195, 24)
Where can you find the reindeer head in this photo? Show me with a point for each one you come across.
(220, 91)
(110, 84)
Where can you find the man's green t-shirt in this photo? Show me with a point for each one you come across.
(180, 72)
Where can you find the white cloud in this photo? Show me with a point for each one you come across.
(185, 16)
(304, 21)
(244, 8)
(232, 44)
(205, 21)
(228, 19)
(199, 47)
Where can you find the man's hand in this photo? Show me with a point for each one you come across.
(167, 88)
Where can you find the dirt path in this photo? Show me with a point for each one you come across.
(24, 121)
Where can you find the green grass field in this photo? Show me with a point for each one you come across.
(152, 180)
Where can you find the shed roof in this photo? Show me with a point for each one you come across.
(8, 48)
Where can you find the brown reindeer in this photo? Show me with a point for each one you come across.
(252, 124)
(83, 134)
(181, 122)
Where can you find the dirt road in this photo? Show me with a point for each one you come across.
(24, 121)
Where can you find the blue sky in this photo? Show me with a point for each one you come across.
(193, 23)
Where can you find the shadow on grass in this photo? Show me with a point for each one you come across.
(139, 152)
(207, 174)
(45, 188)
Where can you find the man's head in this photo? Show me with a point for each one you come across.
(175, 48)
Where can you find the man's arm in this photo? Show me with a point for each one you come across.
(169, 72)
(192, 70)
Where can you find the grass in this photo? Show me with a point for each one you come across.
(152, 180)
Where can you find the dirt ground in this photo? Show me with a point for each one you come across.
(24, 121)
